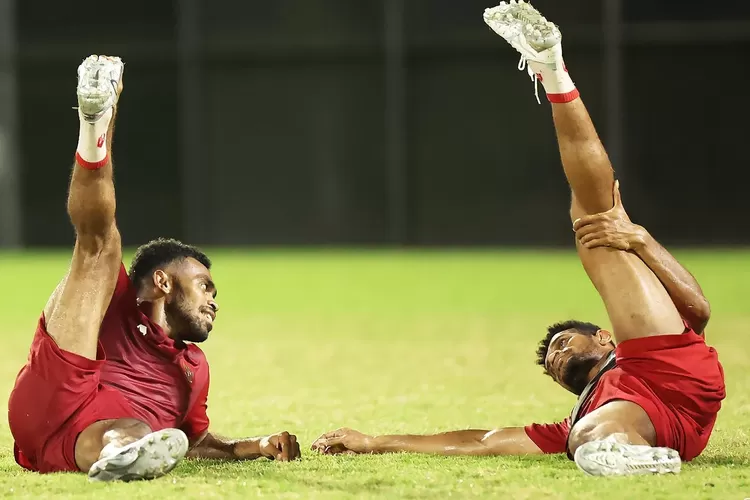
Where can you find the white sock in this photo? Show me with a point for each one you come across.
(556, 81)
(92, 150)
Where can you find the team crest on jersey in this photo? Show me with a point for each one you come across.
(188, 373)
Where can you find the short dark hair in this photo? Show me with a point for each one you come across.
(162, 252)
(580, 326)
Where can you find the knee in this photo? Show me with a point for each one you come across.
(584, 432)
(125, 429)
(103, 247)
(95, 437)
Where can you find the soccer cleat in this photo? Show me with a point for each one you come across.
(529, 32)
(609, 458)
(525, 29)
(150, 457)
(98, 86)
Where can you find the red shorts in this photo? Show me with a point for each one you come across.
(676, 379)
(56, 396)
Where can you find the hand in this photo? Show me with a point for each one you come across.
(282, 447)
(343, 441)
(612, 228)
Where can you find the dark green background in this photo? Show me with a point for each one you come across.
(287, 137)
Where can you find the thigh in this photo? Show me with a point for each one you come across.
(74, 314)
(57, 394)
(637, 303)
(61, 452)
(52, 387)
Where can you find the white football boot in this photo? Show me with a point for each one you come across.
(609, 458)
(152, 456)
(530, 33)
(98, 82)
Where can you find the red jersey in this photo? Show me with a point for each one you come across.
(165, 383)
(139, 373)
(676, 379)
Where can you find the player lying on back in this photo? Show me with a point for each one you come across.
(649, 391)
(115, 384)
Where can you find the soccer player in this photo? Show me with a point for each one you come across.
(114, 384)
(647, 401)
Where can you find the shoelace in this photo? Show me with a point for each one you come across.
(522, 65)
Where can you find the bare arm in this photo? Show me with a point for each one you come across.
(505, 441)
(614, 229)
(282, 447)
(680, 284)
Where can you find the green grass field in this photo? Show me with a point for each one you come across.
(396, 342)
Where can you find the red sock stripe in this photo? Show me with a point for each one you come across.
(89, 165)
(563, 98)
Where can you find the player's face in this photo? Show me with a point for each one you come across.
(571, 356)
(191, 308)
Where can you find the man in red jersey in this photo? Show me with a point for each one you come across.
(114, 384)
(647, 402)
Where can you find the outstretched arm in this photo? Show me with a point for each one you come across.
(505, 441)
(282, 446)
(614, 229)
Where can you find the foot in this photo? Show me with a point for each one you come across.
(150, 457)
(526, 30)
(99, 86)
(609, 458)
(539, 42)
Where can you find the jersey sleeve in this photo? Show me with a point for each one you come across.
(550, 438)
(196, 421)
(124, 302)
(124, 294)
(123, 285)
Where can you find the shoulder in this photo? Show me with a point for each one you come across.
(196, 355)
(125, 295)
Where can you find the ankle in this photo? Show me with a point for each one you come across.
(92, 151)
(556, 81)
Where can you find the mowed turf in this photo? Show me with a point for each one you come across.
(395, 342)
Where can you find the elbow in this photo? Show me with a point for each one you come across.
(703, 310)
(488, 444)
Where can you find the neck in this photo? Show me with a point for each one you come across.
(598, 366)
(154, 309)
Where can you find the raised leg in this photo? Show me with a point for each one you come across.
(76, 309)
(637, 303)
(587, 166)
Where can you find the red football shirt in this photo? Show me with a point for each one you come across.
(676, 379)
(166, 383)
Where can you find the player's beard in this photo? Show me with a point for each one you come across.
(575, 374)
(186, 324)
